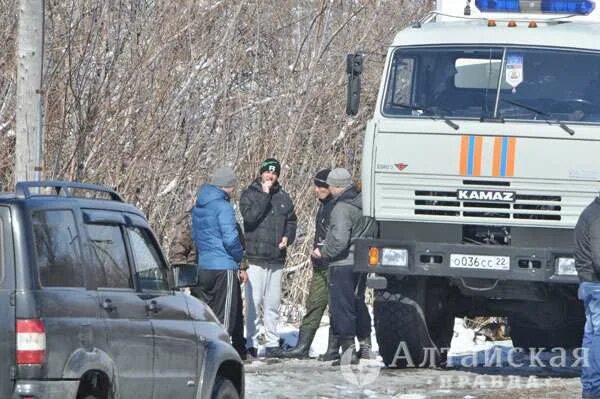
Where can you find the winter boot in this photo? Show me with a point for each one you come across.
(273, 352)
(365, 348)
(300, 351)
(333, 348)
(348, 349)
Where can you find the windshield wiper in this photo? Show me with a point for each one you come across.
(547, 117)
(432, 114)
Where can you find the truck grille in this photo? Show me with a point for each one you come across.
(445, 203)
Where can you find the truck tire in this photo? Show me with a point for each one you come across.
(559, 325)
(409, 319)
(564, 336)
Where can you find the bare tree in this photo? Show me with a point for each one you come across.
(148, 96)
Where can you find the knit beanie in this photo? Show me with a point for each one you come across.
(271, 165)
(339, 177)
(223, 177)
(320, 178)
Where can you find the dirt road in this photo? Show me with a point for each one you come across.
(313, 379)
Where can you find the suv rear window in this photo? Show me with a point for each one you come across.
(58, 248)
(1, 250)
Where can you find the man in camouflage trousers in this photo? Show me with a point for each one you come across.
(318, 295)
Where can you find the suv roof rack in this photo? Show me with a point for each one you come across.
(62, 188)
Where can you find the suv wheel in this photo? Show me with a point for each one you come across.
(412, 315)
(224, 389)
(94, 385)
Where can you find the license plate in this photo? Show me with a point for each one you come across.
(480, 262)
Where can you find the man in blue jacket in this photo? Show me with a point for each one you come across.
(220, 251)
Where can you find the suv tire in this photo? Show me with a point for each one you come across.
(224, 389)
(401, 313)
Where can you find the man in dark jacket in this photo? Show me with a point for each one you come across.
(269, 227)
(318, 294)
(350, 316)
(587, 263)
(219, 252)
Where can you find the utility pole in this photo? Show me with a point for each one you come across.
(30, 50)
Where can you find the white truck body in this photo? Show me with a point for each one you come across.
(482, 152)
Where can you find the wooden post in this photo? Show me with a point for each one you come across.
(28, 164)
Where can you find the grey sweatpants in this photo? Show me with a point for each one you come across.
(263, 290)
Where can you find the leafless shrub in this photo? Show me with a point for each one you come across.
(148, 96)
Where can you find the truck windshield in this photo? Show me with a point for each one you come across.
(473, 82)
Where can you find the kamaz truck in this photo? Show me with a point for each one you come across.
(483, 150)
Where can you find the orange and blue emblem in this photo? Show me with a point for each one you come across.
(503, 163)
(472, 156)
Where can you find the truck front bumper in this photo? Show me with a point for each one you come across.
(433, 259)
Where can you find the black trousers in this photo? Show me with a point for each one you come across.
(220, 289)
(349, 313)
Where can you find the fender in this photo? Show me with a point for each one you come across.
(217, 353)
(82, 361)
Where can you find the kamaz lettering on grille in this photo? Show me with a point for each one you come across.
(485, 195)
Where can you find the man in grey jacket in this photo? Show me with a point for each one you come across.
(350, 316)
(587, 263)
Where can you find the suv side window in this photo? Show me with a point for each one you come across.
(58, 249)
(110, 256)
(151, 271)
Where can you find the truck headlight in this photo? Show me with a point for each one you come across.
(565, 266)
(394, 257)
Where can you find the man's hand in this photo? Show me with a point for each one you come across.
(283, 243)
(266, 186)
(316, 253)
(243, 276)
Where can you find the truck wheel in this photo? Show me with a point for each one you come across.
(564, 336)
(559, 325)
(224, 389)
(411, 315)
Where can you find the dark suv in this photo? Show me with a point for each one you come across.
(89, 308)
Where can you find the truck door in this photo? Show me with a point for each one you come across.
(7, 316)
(175, 343)
(130, 339)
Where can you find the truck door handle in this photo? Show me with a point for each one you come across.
(108, 306)
(153, 307)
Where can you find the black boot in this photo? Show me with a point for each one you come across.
(300, 351)
(348, 350)
(333, 348)
(365, 348)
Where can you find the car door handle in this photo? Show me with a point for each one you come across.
(108, 305)
(153, 307)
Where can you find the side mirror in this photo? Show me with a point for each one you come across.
(186, 275)
(354, 67)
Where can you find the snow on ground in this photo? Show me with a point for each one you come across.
(271, 378)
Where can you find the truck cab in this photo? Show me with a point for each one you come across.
(479, 158)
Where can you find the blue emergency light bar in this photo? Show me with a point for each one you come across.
(581, 7)
(498, 5)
